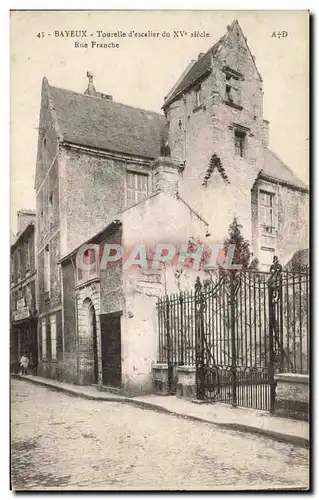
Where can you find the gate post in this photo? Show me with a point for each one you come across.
(274, 292)
(233, 338)
(199, 345)
(168, 344)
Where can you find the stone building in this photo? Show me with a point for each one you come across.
(93, 159)
(218, 132)
(23, 303)
(109, 172)
(110, 319)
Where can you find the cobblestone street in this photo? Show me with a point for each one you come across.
(62, 442)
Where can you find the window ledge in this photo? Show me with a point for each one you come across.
(233, 105)
(269, 235)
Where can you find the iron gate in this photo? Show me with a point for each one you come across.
(238, 333)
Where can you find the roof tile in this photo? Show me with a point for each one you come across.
(274, 167)
(101, 123)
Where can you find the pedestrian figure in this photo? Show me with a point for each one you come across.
(24, 362)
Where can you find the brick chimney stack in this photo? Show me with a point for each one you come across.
(165, 175)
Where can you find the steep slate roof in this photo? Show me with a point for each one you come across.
(196, 71)
(202, 66)
(275, 168)
(102, 123)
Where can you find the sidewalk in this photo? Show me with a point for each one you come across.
(222, 415)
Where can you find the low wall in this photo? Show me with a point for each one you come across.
(292, 395)
(186, 382)
(160, 378)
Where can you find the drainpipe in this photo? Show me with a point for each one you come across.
(76, 325)
(185, 128)
(62, 316)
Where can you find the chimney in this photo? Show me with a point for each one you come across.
(165, 175)
(24, 217)
(265, 133)
(92, 91)
(201, 54)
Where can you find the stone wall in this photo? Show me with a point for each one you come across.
(98, 194)
(292, 395)
(47, 129)
(159, 219)
(48, 367)
(291, 214)
(112, 299)
(293, 222)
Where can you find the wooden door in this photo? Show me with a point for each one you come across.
(111, 349)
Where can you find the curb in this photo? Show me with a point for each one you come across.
(277, 436)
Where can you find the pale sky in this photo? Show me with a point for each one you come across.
(142, 71)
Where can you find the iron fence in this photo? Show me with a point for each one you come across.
(238, 332)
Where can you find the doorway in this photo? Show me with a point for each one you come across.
(111, 349)
(93, 336)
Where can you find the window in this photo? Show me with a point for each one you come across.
(27, 255)
(51, 208)
(14, 300)
(41, 222)
(233, 93)
(240, 143)
(198, 96)
(53, 336)
(266, 212)
(47, 275)
(44, 151)
(44, 338)
(19, 262)
(28, 296)
(12, 268)
(90, 257)
(45, 207)
(137, 188)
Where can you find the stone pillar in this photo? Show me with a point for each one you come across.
(186, 382)
(292, 395)
(165, 175)
(160, 378)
